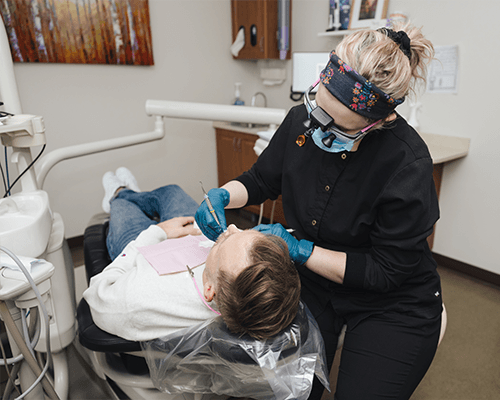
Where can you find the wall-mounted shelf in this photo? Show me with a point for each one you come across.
(336, 33)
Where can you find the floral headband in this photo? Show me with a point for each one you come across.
(355, 92)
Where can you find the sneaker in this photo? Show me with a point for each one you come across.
(111, 184)
(127, 179)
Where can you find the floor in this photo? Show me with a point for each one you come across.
(84, 384)
(466, 366)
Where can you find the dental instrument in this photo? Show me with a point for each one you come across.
(209, 204)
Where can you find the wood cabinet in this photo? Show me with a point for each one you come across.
(235, 155)
(259, 18)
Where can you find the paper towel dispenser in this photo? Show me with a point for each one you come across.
(259, 19)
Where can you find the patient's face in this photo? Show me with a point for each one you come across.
(230, 252)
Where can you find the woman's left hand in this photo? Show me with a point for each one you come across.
(299, 250)
(179, 227)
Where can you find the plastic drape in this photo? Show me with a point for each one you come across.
(207, 358)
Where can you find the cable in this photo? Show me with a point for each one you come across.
(9, 322)
(271, 220)
(261, 213)
(26, 170)
(11, 384)
(11, 325)
(3, 178)
(35, 329)
(34, 342)
(10, 372)
(24, 324)
(6, 170)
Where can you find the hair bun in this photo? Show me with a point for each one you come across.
(400, 38)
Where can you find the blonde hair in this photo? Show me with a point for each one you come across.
(380, 60)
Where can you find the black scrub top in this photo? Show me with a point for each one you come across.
(377, 204)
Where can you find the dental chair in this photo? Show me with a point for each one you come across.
(221, 367)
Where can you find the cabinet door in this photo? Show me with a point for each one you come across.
(249, 16)
(228, 156)
(245, 147)
(235, 155)
(259, 18)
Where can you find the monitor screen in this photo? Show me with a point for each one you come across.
(306, 67)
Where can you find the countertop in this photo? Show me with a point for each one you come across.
(442, 148)
(445, 148)
(240, 128)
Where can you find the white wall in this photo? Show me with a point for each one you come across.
(83, 103)
(470, 193)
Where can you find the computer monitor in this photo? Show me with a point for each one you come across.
(306, 67)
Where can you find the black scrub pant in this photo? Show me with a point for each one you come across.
(385, 356)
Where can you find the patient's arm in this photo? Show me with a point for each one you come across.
(179, 227)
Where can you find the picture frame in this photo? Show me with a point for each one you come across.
(79, 31)
(367, 13)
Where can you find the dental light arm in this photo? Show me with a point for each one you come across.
(215, 112)
(65, 153)
(159, 109)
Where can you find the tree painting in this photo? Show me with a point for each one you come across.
(79, 31)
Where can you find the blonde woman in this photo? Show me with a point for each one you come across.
(357, 188)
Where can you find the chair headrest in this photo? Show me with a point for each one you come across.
(207, 355)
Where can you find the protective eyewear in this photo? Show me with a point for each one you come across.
(319, 118)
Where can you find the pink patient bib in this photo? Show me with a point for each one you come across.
(172, 255)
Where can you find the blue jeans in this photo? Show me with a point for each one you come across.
(132, 212)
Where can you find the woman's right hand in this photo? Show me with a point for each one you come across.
(219, 198)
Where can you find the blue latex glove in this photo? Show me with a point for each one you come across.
(300, 250)
(204, 218)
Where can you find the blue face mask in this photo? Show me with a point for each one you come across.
(338, 145)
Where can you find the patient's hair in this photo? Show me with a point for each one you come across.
(263, 299)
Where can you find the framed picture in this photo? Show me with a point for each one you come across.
(79, 31)
(365, 13)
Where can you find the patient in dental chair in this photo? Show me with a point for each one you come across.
(248, 277)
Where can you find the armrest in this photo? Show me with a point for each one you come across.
(96, 259)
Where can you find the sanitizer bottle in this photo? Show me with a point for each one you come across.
(237, 99)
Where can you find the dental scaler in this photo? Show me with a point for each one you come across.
(209, 204)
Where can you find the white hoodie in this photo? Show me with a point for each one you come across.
(129, 299)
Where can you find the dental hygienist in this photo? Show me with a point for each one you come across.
(357, 188)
